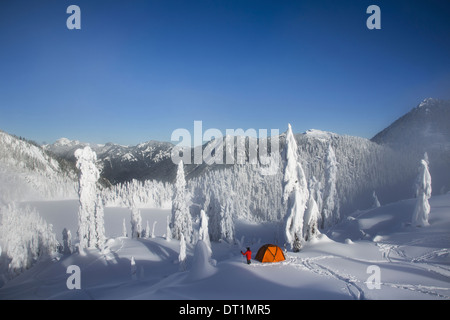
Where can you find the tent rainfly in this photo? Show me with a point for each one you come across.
(270, 253)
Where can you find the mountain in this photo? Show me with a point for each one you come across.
(386, 164)
(28, 172)
(149, 160)
(426, 128)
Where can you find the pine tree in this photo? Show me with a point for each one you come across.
(124, 229)
(136, 223)
(67, 241)
(152, 235)
(182, 254)
(226, 221)
(133, 269)
(99, 223)
(181, 217)
(295, 193)
(423, 192)
(88, 224)
(376, 203)
(168, 230)
(311, 219)
(146, 231)
(330, 213)
(203, 233)
(26, 238)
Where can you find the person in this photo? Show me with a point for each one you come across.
(248, 254)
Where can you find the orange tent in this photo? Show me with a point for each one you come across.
(270, 253)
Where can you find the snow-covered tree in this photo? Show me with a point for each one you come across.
(168, 230)
(311, 230)
(136, 223)
(203, 233)
(295, 193)
(124, 229)
(152, 234)
(67, 241)
(315, 190)
(99, 223)
(148, 194)
(26, 237)
(133, 269)
(146, 231)
(181, 217)
(201, 263)
(182, 254)
(330, 213)
(89, 220)
(376, 203)
(212, 209)
(423, 192)
(226, 221)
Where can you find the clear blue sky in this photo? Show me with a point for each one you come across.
(137, 70)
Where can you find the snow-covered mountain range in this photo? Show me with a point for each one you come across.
(386, 164)
(355, 182)
(149, 160)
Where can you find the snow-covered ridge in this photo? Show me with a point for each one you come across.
(319, 134)
(28, 172)
(120, 163)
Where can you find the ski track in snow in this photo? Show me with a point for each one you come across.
(311, 264)
(422, 262)
(353, 285)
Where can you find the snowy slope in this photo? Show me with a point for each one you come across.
(424, 129)
(414, 263)
(28, 172)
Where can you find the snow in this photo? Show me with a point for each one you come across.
(413, 262)
(323, 136)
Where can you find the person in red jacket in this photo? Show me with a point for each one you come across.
(248, 254)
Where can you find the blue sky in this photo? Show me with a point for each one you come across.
(137, 70)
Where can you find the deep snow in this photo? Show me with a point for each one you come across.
(413, 262)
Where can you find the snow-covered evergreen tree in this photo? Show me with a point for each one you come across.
(213, 211)
(315, 189)
(181, 217)
(203, 233)
(423, 192)
(182, 254)
(124, 229)
(67, 241)
(88, 222)
(133, 269)
(152, 234)
(226, 221)
(99, 223)
(330, 213)
(376, 203)
(312, 213)
(168, 230)
(26, 238)
(146, 231)
(136, 223)
(144, 194)
(295, 193)
(201, 263)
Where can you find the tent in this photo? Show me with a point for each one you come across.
(270, 253)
